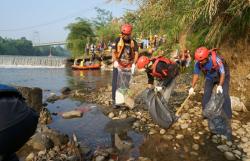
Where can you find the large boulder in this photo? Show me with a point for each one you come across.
(33, 97)
(237, 105)
(40, 142)
(65, 90)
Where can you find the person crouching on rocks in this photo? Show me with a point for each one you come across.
(162, 69)
(18, 122)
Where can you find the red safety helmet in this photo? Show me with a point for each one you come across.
(142, 62)
(201, 53)
(126, 29)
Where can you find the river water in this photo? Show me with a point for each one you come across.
(90, 129)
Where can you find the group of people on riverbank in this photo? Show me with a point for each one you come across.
(209, 62)
(18, 122)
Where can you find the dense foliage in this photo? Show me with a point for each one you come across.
(202, 22)
(106, 26)
(23, 46)
(103, 28)
(81, 33)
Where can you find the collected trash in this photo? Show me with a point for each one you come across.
(72, 114)
(218, 122)
(159, 109)
(77, 112)
(123, 80)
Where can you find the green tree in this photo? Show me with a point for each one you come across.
(80, 34)
(103, 18)
(107, 28)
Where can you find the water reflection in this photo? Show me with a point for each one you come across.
(88, 79)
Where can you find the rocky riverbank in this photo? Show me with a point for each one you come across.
(189, 136)
(46, 143)
(188, 139)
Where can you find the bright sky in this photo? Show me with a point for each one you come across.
(46, 19)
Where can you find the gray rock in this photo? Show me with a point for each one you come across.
(184, 126)
(237, 152)
(179, 136)
(244, 139)
(229, 156)
(53, 98)
(33, 97)
(111, 115)
(52, 153)
(162, 131)
(123, 116)
(237, 105)
(41, 153)
(123, 144)
(30, 157)
(194, 153)
(185, 116)
(100, 158)
(223, 148)
(136, 124)
(168, 137)
(40, 142)
(65, 90)
(248, 76)
(152, 132)
(229, 143)
(196, 137)
(195, 146)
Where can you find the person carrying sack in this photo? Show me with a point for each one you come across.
(124, 55)
(216, 72)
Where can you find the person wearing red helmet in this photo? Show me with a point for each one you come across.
(216, 72)
(124, 55)
(161, 68)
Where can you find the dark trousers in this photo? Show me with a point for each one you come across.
(14, 137)
(208, 89)
(114, 83)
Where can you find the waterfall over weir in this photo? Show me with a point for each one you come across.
(7, 61)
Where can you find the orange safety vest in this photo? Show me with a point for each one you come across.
(165, 71)
(215, 66)
(119, 50)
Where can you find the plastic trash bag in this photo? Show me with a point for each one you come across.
(218, 122)
(214, 106)
(219, 125)
(123, 80)
(159, 110)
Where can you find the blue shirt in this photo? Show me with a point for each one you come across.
(210, 74)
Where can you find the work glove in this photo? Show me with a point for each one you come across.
(191, 91)
(158, 88)
(133, 68)
(116, 64)
(219, 89)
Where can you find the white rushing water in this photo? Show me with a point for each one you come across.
(7, 61)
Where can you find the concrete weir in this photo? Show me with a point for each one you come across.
(32, 61)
